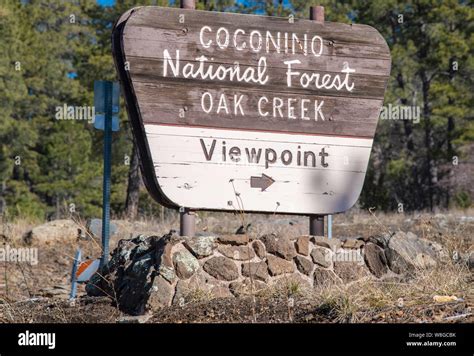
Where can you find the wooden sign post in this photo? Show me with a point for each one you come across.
(316, 222)
(248, 113)
(187, 218)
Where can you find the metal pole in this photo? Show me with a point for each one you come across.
(329, 226)
(107, 168)
(316, 225)
(187, 222)
(316, 222)
(77, 260)
(187, 218)
(316, 13)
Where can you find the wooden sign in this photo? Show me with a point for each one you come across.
(242, 112)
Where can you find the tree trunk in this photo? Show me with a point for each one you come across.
(133, 188)
(431, 169)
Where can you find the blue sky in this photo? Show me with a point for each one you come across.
(106, 2)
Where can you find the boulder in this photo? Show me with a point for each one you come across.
(53, 231)
(161, 294)
(322, 241)
(350, 271)
(277, 265)
(236, 239)
(304, 265)
(94, 227)
(259, 248)
(247, 287)
(375, 260)
(407, 252)
(201, 246)
(240, 253)
(221, 268)
(256, 270)
(281, 247)
(185, 264)
(302, 245)
(199, 286)
(470, 261)
(322, 256)
(353, 243)
(130, 277)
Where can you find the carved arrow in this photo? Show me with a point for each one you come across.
(262, 182)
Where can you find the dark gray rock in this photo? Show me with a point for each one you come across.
(322, 257)
(277, 265)
(240, 253)
(350, 271)
(375, 259)
(201, 246)
(259, 248)
(302, 245)
(236, 239)
(281, 247)
(304, 265)
(406, 252)
(185, 264)
(221, 268)
(247, 287)
(258, 270)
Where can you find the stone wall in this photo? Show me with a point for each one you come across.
(148, 272)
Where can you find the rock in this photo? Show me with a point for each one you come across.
(258, 270)
(94, 227)
(161, 294)
(304, 265)
(325, 278)
(380, 240)
(302, 245)
(242, 230)
(247, 287)
(198, 287)
(281, 247)
(139, 319)
(259, 248)
(164, 258)
(185, 264)
(350, 271)
(407, 252)
(375, 259)
(236, 239)
(352, 244)
(167, 273)
(58, 291)
(322, 256)
(240, 253)
(184, 291)
(53, 231)
(221, 292)
(201, 246)
(322, 241)
(277, 265)
(221, 268)
(470, 261)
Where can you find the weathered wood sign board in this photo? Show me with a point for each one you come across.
(242, 112)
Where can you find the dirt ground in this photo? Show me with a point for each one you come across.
(38, 293)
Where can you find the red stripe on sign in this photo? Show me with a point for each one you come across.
(370, 137)
(83, 266)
